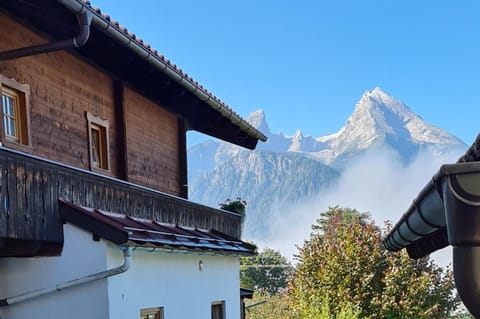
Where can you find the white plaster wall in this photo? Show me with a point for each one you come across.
(155, 279)
(81, 256)
(175, 282)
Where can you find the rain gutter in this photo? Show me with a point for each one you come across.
(449, 203)
(424, 216)
(187, 251)
(84, 18)
(145, 53)
(127, 259)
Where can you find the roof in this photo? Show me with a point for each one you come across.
(436, 236)
(127, 57)
(121, 229)
(246, 293)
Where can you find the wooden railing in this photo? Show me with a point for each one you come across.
(30, 188)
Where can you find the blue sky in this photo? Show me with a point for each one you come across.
(306, 63)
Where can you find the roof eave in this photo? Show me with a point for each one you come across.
(145, 52)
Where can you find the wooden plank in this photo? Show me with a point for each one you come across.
(99, 189)
(63, 187)
(110, 198)
(12, 231)
(48, 188)
(3, 197)
(182, 159)
(29, 197)
(38, 214)
(121, 130)
(20, 199)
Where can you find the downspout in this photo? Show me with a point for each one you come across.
(127, 259)
(84, 20)
(461, 195)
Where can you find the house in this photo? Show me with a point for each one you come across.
(94, 216)
(447, 212)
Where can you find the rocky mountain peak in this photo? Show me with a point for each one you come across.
(378, 100)
(298, 135)
(258, 120)
(379, 120)
(288, 168)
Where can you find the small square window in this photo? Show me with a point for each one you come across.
(152, 313)
(98, 142)
(218, 310)
(14, 108)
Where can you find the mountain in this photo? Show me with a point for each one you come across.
(381, 121)
(287, 169)
(265, 179)
(281, 143)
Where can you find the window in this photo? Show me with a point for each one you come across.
(98, 142)
(152, 313)
(218, 310)
(14, 108)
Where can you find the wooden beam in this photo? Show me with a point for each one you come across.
(29, 248)
(121, 130)
(182, 158)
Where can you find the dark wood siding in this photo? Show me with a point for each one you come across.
(152, 144)
(144, 137)
(62, 89)
(30, 188)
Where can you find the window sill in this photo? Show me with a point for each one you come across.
(17, 146)
(101, 170)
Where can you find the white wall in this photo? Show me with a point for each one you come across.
(81, 256)
(155, 279)
(175, 282)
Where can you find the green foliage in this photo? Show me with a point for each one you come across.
(317, 309)
(267, 272)
(343, 269)
(268, 306)
(416, 289)
(237, 205)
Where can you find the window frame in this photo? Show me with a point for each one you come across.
(20, 93)
(220, 304)
(102, 126)
(152, 311)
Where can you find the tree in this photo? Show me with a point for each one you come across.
(343, 267)
(267, 272)
(416, 289)
(267, 306)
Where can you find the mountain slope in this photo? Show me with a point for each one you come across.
(266, 180)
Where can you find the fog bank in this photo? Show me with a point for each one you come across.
(377, 183)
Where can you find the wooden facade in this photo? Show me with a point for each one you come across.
(145, 116)
(64, 88)
(31, 186)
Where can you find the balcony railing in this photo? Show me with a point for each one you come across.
(31, 186)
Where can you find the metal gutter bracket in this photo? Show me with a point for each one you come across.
(84, 20)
